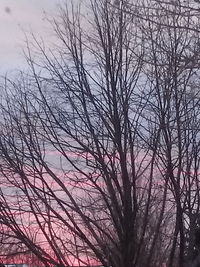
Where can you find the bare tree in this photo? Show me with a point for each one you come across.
(172, 33)
(98, 184)
(99, 143)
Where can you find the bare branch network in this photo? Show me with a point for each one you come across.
(100, 140)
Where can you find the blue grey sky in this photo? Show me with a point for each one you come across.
(16, 18)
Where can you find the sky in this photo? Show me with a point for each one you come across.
(18, 17)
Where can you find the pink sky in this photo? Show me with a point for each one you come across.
(17, 16)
